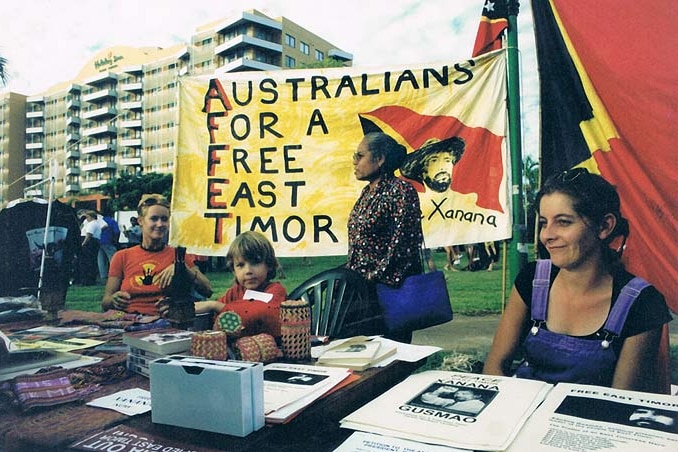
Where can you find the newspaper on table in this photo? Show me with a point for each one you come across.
(463, 410)
(369, 442)
(290, 387)
(593, 418)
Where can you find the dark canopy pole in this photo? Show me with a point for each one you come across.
(517, 254)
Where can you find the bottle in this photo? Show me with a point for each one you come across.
(181, 311)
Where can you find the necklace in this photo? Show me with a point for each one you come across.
(153, 248)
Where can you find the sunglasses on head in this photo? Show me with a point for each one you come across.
(152, 200)
(571, 174)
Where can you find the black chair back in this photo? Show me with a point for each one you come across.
(340, 304)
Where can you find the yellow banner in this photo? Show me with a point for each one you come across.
(272, 152)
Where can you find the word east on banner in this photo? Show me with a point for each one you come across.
(272, 152)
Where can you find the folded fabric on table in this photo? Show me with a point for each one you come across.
(43, 389)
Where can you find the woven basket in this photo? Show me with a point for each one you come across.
(295, 329)
(210, 345)
(259, 348)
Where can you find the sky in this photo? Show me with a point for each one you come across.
(47, 42)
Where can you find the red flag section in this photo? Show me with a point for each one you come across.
(611, 105)
(479, 171)
(493, 22)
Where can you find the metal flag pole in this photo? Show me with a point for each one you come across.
(517, 248)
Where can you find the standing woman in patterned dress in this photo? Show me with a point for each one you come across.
(384, 227)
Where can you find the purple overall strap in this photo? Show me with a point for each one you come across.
(540, 289)
(620, 310)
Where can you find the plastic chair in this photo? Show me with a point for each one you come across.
(340, 304)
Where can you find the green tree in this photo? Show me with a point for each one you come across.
(327, 62)
(3, 70)
(530, 188)
(126, 190)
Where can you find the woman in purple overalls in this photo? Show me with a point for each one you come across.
(579, 317)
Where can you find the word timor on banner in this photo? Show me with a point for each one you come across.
(272, 152)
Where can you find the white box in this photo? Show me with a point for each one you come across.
(215, 396)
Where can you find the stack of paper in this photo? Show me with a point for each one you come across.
(145, 346)
(469, 411)
(16, 361)
(357, 353)
(289, 388)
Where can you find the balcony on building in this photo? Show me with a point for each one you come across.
(94, 184)
(130, 141)
(34, 161)
(37, 145)
(100, 113)
(98, 147)
(130, 123)
(35, 129)
(73, 171)
(103, 165)
(340, 55)
(108, 129)
(73, 103)
(72, 188)
(100, 95)
(101, 79)
(35, 177)
(33, 193)
(35, 114)
(73, 136)
(248, 20)
(130, 161)
(246, 42)
(73, 120)
(73, 154)
(131, 105)
(35, 99)
(245, 64)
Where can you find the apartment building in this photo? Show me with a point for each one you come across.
(14, 149)
(119, 115)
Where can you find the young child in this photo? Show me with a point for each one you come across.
(252, 260)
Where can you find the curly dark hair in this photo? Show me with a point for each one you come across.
(593, 198)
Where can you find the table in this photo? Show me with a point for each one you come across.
(316, 429)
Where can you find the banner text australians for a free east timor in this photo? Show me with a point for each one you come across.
(271, 152)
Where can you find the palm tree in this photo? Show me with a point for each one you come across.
(3, 74)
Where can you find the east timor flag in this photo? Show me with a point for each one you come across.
(608, 78)
(493, 22)
(609, 102)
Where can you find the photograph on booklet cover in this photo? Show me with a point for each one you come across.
(611, 420)
(454, 399)
(619, 413)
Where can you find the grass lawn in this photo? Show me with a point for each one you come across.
(472, 293)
